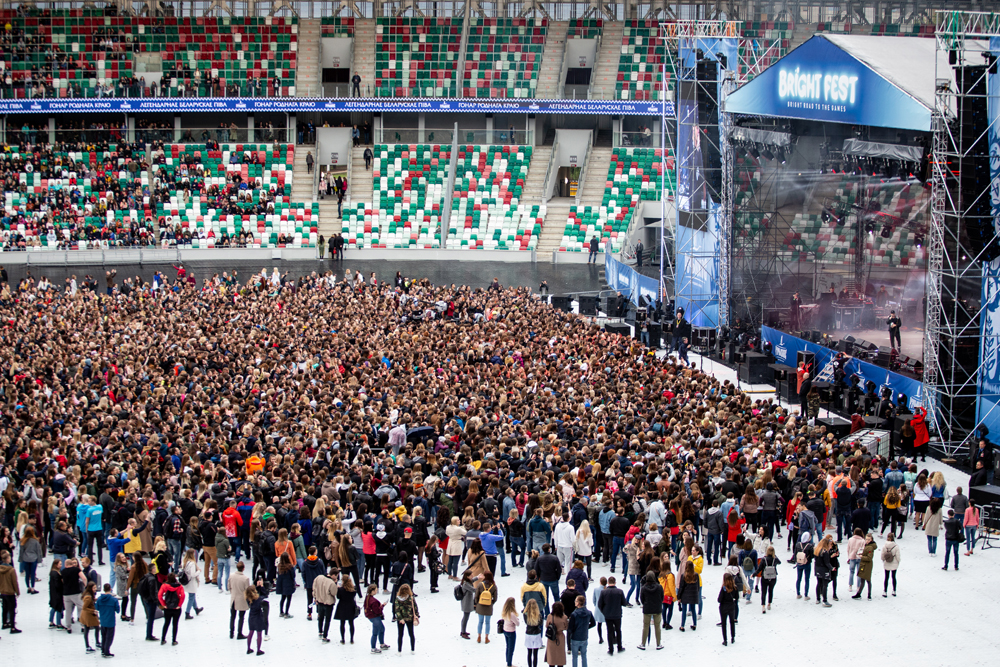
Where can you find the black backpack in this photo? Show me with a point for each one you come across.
(148, 587)
(171, 599)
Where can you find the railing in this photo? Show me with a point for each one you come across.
(638, 139)
(583, 172)
(42, 91)
(546, 185)
(393, 135)
(593, 70)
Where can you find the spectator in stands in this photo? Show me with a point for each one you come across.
(368, 158)
(309, 162)
(356, 82)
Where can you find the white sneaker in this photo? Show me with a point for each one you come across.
(375, 650)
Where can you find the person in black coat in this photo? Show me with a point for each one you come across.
(651, 598)
(347, 606)
(56, 603)
(728, 599)
(688, 595)
(402, 572)
(257, 618)
(804, 395)
(610, 603)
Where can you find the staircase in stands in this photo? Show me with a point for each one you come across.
(307, 76)
(364, 56)
(552, 61)
(606, 72)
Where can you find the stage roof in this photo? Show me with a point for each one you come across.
(854, 79)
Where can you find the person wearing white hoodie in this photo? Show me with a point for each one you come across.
(563, 539)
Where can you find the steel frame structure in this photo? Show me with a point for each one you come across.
(686, 34)
(954, 270)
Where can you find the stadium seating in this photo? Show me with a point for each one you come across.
(633, 177)
(584, 29)
(900, 204)
(273, 171)
(336, 26)
(79, 221)
(229, 48)
(408, 187)
(417, 57)
(640, 65)
(486, 211)
(503, 57)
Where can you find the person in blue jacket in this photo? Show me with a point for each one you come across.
(107, 610)
(490, 538)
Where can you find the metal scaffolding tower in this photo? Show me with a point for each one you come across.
(960, 188)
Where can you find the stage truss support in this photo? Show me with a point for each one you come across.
(954, 268)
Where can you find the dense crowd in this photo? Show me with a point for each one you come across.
(357, 439)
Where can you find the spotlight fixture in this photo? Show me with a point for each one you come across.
(870, 227)
(886, 231)
(918, 238)
(768, 155)
(754, 152)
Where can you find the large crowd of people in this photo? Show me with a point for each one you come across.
(359, 444)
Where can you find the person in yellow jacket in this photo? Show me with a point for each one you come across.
(668, 583)
(697, 558)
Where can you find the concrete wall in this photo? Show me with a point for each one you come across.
(336, 53)
(331, 140)
(581, 52)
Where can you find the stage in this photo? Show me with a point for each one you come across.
(911, 339)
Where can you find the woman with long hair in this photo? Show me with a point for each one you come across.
(29, 555)
(374, 612)
(285, 586)
(669, 585)
(583, 545)
(135, 575)
(767, 570)
(349, 562)
(256, 619)
(347, 608)
(533, 639)
(407, 615)
(555, 649)
(688, 595)
(88, 617)
(890, 510)
(56, 604)
(890, 562)
(510, 623)
(921, 499)
(823, 568)
(190, 568)
(728, 599)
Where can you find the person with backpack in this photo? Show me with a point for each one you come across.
(555, 636)
(171, 599)
(149, 589)
(190, 578)
(767, 570)
(486, 597)
(844, 507)
(747, 558)
(803, 556)
(312, 567)
(174, 531)
(890, 562)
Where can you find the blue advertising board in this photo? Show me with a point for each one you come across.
(628, 281)
(786, 347)
(348, 104)
(988, 398)
(820, 81)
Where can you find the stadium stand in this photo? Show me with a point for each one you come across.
(417, 57)
(503, 57)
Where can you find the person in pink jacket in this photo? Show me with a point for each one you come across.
(971, 523)
(854, 547)
(171, 598)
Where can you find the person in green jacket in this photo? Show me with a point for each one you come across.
(407, 614)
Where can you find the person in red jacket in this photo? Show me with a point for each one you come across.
(919, 425)
(171, 599)
(232, 521)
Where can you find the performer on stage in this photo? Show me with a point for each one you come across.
(894, 323)
(793, 319)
